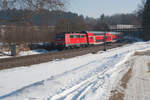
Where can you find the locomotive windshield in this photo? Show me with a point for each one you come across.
(60, 36)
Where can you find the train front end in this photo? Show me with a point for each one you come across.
(60, 41)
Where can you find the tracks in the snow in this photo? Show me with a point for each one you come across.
(79, 91)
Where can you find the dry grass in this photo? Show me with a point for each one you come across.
(116, 95)
(126, 78)
(147, 53)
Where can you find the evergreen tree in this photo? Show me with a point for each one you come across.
(146, 21)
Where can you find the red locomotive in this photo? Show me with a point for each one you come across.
(82, 39)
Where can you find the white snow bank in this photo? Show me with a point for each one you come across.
(25, 53)
(70, 79)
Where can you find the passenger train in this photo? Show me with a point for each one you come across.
(86, 38)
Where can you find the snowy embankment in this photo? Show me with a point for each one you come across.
(25, 53)
(89, 77)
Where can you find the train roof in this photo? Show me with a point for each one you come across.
(114, 32)
(102, 32)
(96, 32)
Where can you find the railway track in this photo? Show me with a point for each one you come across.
(41, 58)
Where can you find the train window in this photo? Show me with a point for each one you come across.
(75, 36)
(82, 36)
(91, 38)
(101, 40)
(78, 36)
(71, 36)
(60, 36)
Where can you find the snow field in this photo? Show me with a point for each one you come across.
(89, 77)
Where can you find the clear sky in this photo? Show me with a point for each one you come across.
(94, 8)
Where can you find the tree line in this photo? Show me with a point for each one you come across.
(18, 16)
(145, 13)
(58, 22)
(41, 20)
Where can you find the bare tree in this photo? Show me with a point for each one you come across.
(33, 6)
(24, 32)
(29, 9)
(141, 9)
(74, 24)
(146, 21)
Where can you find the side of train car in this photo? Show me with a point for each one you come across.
(83, 39)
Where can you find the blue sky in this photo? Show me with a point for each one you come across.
(94, 8)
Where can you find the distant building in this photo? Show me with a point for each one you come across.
(123, 26)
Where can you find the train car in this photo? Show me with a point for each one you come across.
(115, 36)
(70, 40)
(95, 37)
(82, 39)
(99, 37)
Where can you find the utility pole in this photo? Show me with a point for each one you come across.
(105, 41)
(68, 27)
(4, 4)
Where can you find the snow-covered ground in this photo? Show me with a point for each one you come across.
(25, 53)
(88, 77)
(140, 90)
